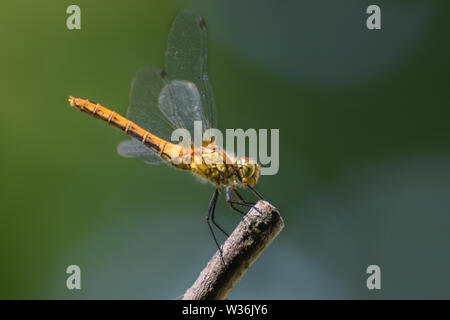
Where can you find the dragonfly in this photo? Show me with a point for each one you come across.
(164, 100)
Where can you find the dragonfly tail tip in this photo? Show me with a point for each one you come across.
(71, 101)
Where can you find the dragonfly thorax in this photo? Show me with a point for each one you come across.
(215, 165)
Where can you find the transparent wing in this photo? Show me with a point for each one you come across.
(180, 102)
(135, 149)
(160, 101)
(144, 102)
(186, 59)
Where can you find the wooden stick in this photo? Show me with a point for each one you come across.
(250, 238)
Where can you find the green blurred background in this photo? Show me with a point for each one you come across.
(364, 149)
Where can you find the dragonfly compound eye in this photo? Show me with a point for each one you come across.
(247, 170)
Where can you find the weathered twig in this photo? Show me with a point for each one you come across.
(250, 238)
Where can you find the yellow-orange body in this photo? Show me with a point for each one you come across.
(209, 162)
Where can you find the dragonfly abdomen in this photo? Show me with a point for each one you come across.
(162, 147)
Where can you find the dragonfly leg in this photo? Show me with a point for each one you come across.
(254, 191)
(241, 199)
(214, 200)
(210, 217)
(232, 203)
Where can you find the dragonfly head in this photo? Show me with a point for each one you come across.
(249, 170)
